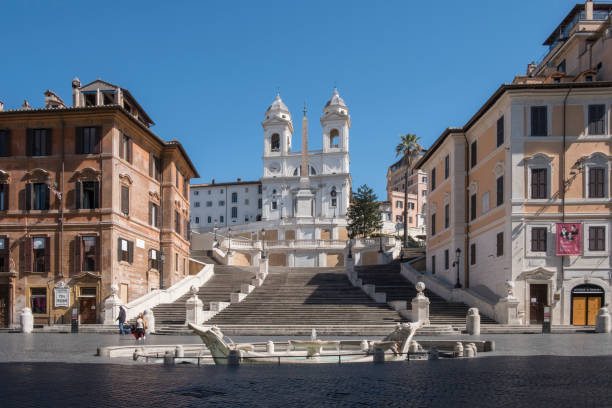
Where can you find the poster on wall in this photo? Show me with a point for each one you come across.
(569, 239)
(62, 295)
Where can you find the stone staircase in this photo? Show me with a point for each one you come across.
(313, 297)
(203, 256)
(170, 317)
(389, 280)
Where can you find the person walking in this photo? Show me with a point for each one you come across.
(121, 319)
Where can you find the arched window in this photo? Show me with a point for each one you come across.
(275, 143)
(334, 199)
(298, 171)
(334, 138)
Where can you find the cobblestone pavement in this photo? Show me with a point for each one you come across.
(537, 381)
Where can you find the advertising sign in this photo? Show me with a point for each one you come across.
(569, 239)
(61, 295)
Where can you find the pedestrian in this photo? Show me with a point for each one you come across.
(140, 327)
(121, 319)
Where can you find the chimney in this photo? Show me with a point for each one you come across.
(213, 181)
(588, 10)
(239, 180)
(76, 84)
(1, 106)
(531, 67)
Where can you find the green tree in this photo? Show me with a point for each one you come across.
(410, 149)
(364, 215)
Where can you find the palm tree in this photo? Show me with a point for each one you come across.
(410, 149)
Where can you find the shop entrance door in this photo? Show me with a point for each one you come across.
(537, 301)
(586, 301)
(87, 310)
(4, 305)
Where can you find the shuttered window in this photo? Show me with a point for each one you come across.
(4, 197)
(154, 215)
(125, 200)
(597, 238)
(500, 244)
(154, 167)
(473, 254)
(539, 183)
(539, 121)
(597, 119)
(596, 182)
(87, 194)
(500, 190)
(87, 140)
(446, 259)
(38, 142)
(40, 254)
(500, 131)
(177, 222)
(433, 265)
(473, 154)
(4, 254)
(125, 148)
(446, 167)
(5, 143)
(472, 207)
(433, 179)
(433, 224)
(446, 216)
(125, 250)
(538, 239)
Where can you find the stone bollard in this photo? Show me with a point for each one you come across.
(194, 312)
(473, 322)
(468, 352)
(379, 355)
(150, 318)
(111, 306)
(458, 349)
(364, 346)
(27, 320)
(179, 351)
(473, 346)
(233, 359)
(420, 305)
(603, 323)
(169, 358)
(270, 347)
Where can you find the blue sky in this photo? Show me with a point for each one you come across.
(206, 71)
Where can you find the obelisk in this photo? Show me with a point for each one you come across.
(304, 197)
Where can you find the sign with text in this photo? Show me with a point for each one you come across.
(61, 296)
(569, 238)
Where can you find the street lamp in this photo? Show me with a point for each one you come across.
(229, 236)
(263, 243)
(215, 228)
(456, 264)
(380, 249)
(350, 235)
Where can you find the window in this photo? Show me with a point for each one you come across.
(4, 195)
(209, 192)
(539, 183)
(5, 143)
(197, 220)
(40, 252)
(176, 262)
(597, 119)
(274, 205)
(597, 238)
(411, 206)
(234, 197)
(87, 140)
(446, 216)
(40, 199)
(473, 154)
(184, 266)
(187, 229)
(500, 131)
(154, 259)
(334, 138)
(473, 254)
(197, 193)
(275, 143)
(433, 224)
(538, 239)
(177, 176)
(177, 222)
(221, 191)
(86, 194)
(125, 148)
(209, 203)
(234, 212)
(221, 219)
(433, 265)
(409, 220)
(246, 201)
(185, 186)
(398, 218)
(246, 189)
(259, 203)
(4, 254)
(155, 169)
(424, 193)
(38, 142)
(125, 250)
(196, 204)
(425, 180)
(500, 244)
(446, 167)
(486, 203)
(433, 179)
(221, 203)
(596, 182)
(154, 215)
(561, 66)
(500, 190)
(209, 219)
(125, 200)
(472, 207)
(446, 259)
(38, 300)
(399, 204)
(539, 121)
(89, 256)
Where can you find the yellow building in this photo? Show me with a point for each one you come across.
(535, 155)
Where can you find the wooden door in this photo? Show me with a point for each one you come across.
(4, 306)
(537, 301)
(87, 310)
(593, 305)
(579, 307)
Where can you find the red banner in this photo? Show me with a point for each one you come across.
(569, 239)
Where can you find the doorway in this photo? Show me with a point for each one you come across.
(537, 300)
(87, 306)
(4, 306)
(586, 301)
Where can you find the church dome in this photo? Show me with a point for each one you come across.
(335, 100)
(278, 105)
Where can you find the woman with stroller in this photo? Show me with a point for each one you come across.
(141, 326)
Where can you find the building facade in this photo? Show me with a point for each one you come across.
(216, 205)
(520, 211)
(417, 195)
(91, 197)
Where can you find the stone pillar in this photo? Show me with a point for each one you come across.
(270, 346)
(168, 358)
(179, 351)
(602, 322)
(506, 310)
(420, 305)
(150, 318)
(229, 257)
(350, 269)
(458, 349)
(27, 320)
(472, 323)
(263, 268)
(111, 306)
(194, 313)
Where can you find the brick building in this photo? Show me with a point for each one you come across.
(89, 197)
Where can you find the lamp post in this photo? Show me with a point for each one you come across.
(263, 243)
(215, 228)
(229, 238)
(456, 264)
(162, 258)
(350, 235)
(380, 248)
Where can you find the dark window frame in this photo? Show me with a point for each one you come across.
(474, 154)
(499, 190)
(597, 238)
(446, 166)
(539, 239)
(473, 206)
(597, 119)
(539, 121)
(433, 224)
(500, 244)
(596, 186)
(433, 179)
(539, 183)
(472, 254)
(446, 216)
(5, 142)
(500, 131)
(446, 259)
